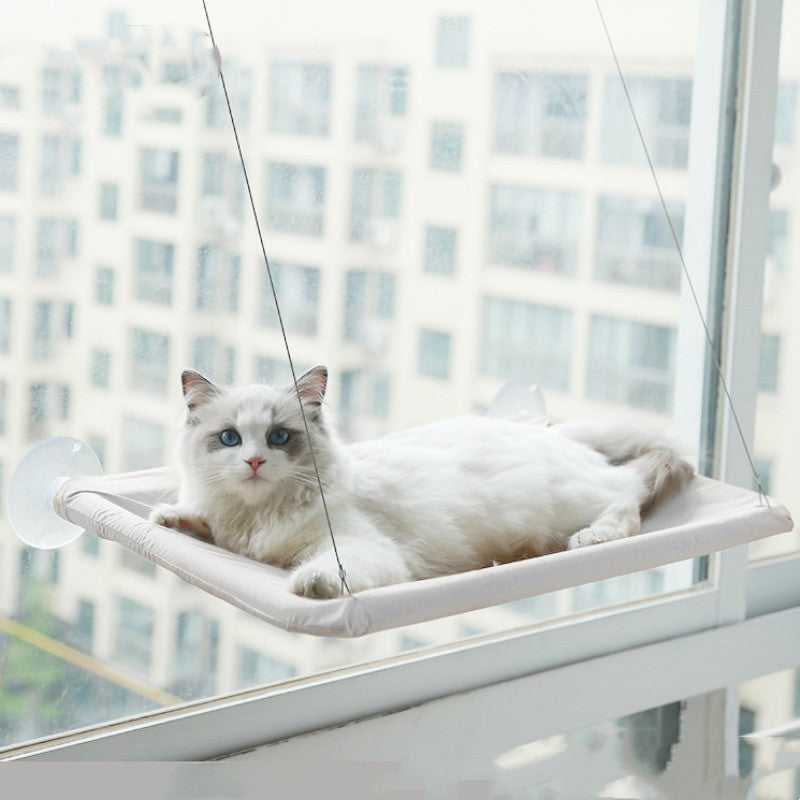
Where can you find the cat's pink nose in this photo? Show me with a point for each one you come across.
(255, 462)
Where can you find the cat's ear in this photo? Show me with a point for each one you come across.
(197, 390)
(311, 386)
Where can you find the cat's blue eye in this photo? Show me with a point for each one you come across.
(278, 437)
(230, 437)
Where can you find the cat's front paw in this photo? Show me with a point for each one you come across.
(174, 517)
(313, 581)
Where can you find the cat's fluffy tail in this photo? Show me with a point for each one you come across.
(664, 471)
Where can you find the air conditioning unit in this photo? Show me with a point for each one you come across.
(382, 232)
(376, 337)
(216, 217)
(389, 135)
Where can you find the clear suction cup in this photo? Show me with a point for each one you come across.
(34, 483)
(515, 398)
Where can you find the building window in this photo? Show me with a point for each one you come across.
(149, 370)
(218, 277)
(109, 201)
(275, 371)
(631, 363)
(768, 362)
(154, 271)
(214, 360)
(101, 369)
(56, 241)
(9, 161)
(634, 243)
(447, 146)
(663, 108)
(98, 444)
(51, 170)
(433, 357)
(778, 238)
(136, 563)
(296, 198)
(257, 669)
(529, 342)
(541, 114)
(133, 634)
(196, 654)
(43, 337)
(535, 229)
(440, 250)
(90, 545)
(375, 204)
(365, 394)
(143, 444)
(5, 324)
(297, 288)
(369, 307)
(159, 180)
(3, 409)
(8, 233)
(452, 42)
(9, 96)
(240, 90)
(104, 286)
(84, 622)
(61, 87)
(764, 469)
(381, 102)
(300, 96)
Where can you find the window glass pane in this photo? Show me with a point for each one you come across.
(774, 448)
(451, 199)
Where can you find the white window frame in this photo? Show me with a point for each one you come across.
(742, 601)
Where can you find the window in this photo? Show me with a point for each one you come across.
(104, 286)
(135, 628)
(453, 42)
(257, 669)
(768, 363)
(43, 330)
(196, 654)
(433, 358)
(365, 396)
(8, 229)
(158, 189)
(9, 96)
(297, 288)
(440, 250)
(135, 563)
(631, 363)
(84, 623)
(369, 306)
(214, 359)
(3, 410)
(634, 244)
(540, 114)
(300, 98)
(154, 271)
(447, 145)
(9, 160)
(143, 444)
(109, 201)
(381, 105)
(51, 176)
(217, 281)
(101, 368)
(534, 229)
(664, 108)
(527, 342)
(56, 241)
(296, 198)
(375, 203)
(149, 362)
(786, 114)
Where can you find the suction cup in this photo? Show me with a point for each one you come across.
(33, 486)
(515, 398)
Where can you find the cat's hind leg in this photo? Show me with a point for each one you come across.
(620, 520)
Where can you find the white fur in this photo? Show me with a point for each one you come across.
(441, 498)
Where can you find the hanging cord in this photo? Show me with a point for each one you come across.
(762, 495)
(218, 61)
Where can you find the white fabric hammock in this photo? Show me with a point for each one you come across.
(707, 516)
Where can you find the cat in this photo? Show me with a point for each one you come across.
(441, 498)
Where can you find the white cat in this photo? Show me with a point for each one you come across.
(445, 497)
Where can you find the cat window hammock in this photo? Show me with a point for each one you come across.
(707, 516)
